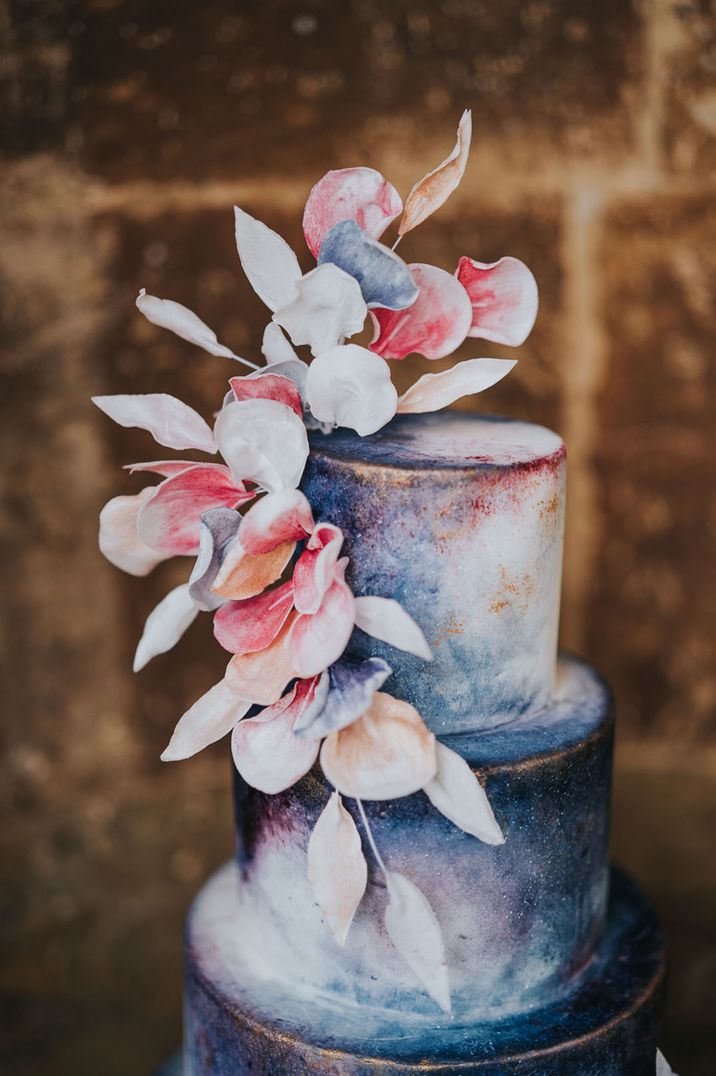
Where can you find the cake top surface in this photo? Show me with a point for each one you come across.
(446, 440)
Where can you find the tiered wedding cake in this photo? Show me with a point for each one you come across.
(422, 787)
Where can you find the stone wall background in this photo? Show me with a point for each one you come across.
(130, 130)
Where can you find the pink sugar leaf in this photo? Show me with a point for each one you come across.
(211, 717)
(314, 570)
(245, 627)
(274, 519)
(435, 188)
(169, 522)
(165, 625)
(318, 639)
(170, 422)
(432, 392)
(504, 299)
(358, 194)
(337, 869)
(436, 323)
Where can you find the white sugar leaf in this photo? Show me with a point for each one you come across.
(327, 305)
(351, 386)
(170, 421)
(165, 625)
(662, 1065)
(416, 934)
(183, 322)
(263, 441)
(430, 192)
(432, 392)
(337, 868)
(457, 793)
(211, 717)
(385, 619)
(268, 261)
(275, 347)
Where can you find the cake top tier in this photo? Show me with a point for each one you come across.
(446, 440)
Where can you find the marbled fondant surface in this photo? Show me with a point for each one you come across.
(520, 921)
(240, 1022)
(460, 518)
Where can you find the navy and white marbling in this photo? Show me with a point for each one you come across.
(460, 518)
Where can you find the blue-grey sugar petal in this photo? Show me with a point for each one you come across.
(384, 278)
(217, 530)
(351, 687)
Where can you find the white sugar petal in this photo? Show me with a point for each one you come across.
(263, 441)
(457, 793)
(211, 717)
(385, 619)
(327, 306)
(350, 386)
(275, 347)
(416, 934)
(165, 625)
(337, 868)
(119, 538)
(170, 421)
(432, 392)
(268, 261)
(183, 322)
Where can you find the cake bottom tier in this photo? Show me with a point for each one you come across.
(236, 1022)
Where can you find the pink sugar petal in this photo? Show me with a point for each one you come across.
(315, 568)
(211, 717)
(164, 467)
(244, 627)
(359, 194)
(262, 676)
(268, 386)
(436, 323)
(169, 522)
(504, 299)
(319, 639)
(119, 539)
(266, 753)
(274, 519)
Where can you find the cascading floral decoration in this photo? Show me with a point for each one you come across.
(272, 576)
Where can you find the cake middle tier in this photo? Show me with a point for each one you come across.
(520, 921)
(460, 518)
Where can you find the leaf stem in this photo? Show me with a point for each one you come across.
(369, 835)
(246, 362)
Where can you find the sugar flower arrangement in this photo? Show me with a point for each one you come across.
(271, 575)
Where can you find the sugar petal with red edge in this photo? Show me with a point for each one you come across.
(358, 194)
(274, 519)
(170, 421)
(263, 676)
(318, 639)
(169, 522)
(349, 385)
(264, 442)
(270, 265)
(384, 278)
(266, 753)
(183, 322)
(434, 189)
(314, 570)
(504, 299)
(436, 323)
(244, 627)
(432, 392)
(119, 539)
(268, 385)
(211, 717)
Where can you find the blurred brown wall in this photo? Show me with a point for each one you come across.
(131, 129)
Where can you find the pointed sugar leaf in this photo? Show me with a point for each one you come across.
(263, 676)
(435, 188)
(385, 619)
(170, 422)
(119, 539)
(662, 1065)
(384, 278)
(268, 261)
(168, 468)
(357, 194)
(457, 793)
(327, 306)
(244, 627)
(267, 385)
(432, 392)
(211, 717)
(217, 530)
(504, 299)
(165, 625)
(416, 934)
(180, 320)
(170, 520)
(274, 519)
(242, 574)
(436, 323)
(351, 687)
(337, 869)
(350, 386)
(314, 570)
(318, 639)
(386, 753)
(264, 442)
(266, 753)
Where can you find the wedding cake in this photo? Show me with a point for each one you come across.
(421, 880)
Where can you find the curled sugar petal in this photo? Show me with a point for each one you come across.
(171, 423)
(169, 522)
(267, 385)
(337, 869)
(318, 639)
(264, 675)
(386, 753)
(314, 570)
(183, 322)
(263, 441)
(435, 188)
(270, 265)
(165, 625)
(245, 627)
(384, 278)
(217, 530)
(350, 386)
(436, 323)
(504, 299)
(211, 717)
(431, 392)
(167, 468)
(385, 619)
(358, 194)
(266, 753)
(275, 348)
(275, 519)
(327, 306)
(243, 575)
(119, 538)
